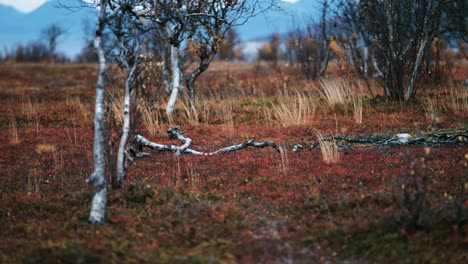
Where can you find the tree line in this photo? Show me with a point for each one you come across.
(42, 50)
(398, 42)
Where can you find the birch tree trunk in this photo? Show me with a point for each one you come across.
(176, 78)
(203, 66)
(326, 41)
(411, 91)
(121, 159)
(98, 177)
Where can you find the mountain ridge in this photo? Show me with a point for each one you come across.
(18, 28)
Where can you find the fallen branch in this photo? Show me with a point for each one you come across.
(375, 141)
(343, 142)
(174, 133)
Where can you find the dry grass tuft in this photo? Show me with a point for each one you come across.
(80, 108)
(192, 178)
(152, 117)
(14, 133)
(291, 111)
(339, 93)
(432, 108)
(30, 109)
(357, 106)
(457, 99)
(196, 115)
(117, 105)
(45, 149)
(329, 149)
(284, 165)
(225, 111)
(334, 92)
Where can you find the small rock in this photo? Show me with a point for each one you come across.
(403, 137)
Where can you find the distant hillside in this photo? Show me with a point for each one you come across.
(20, 28)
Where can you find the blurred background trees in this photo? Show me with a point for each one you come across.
(270, 51)
(401, 44)
(50, 35)
(41, 50)
(231, 47)
(393, 40)
(308, 46)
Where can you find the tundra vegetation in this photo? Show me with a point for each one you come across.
(316, 154)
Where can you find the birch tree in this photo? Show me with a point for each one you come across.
(98, 177)
(128, 30)
(202, 24)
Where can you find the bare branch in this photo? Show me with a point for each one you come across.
(174, 133)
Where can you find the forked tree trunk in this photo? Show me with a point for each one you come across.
(98, 177)
(176, 73)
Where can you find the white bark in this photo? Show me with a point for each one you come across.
(176, 79)
(98, 177)
(414, 74)
(123, 139)
(140, 141)
(121, 170)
